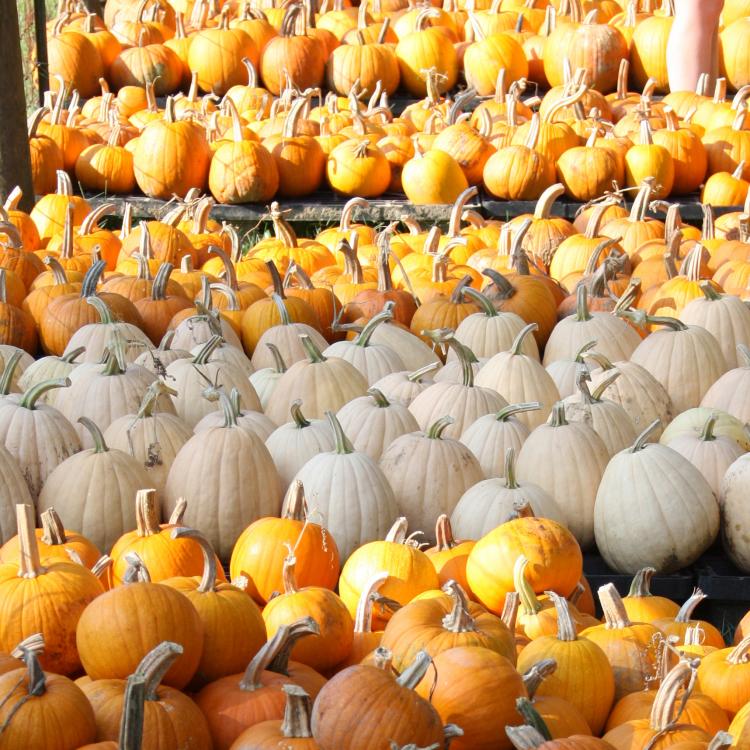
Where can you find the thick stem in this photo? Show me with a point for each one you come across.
(208, 578)
(30, 565)
(131, 723)
(363, 616)
(688, 608)
(485, 305)
(530, 605)
(532, 717)
(510, 469)
(53, 529)
(516, 347)
(459, 620)
(96, 434)
(582, 306)
(385, 315)
(397, 533)
(615, 614)
(436, 429)
(444, 534)
(641, 584)
(32, 395)
(642, 439)
(566, 630)
(343, 444)
(510, 610)
(314, 354)
(413, 674)
(524, 737)
(663, 712)
(296, 723)
(155, 664)
(533, 679)
(288, 575)
(512, 409)
(557, 417)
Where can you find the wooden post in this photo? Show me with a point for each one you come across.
(15, 161)
(40, 35)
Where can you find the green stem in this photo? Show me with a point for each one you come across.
(313, 353)
(533, 718)
(512, 409)
(279, 364)
(96, 434)
(519, 339)
(10, 368)
(417, 375)
(105, 314)
(641, 584)
(343, 445)
(641, 440)
(297, 416)
(71, 357)
(159, 284)
(582, 304)
(92, 277)
(599, 390)
(709, 292)
(32, 395)
(436, 430)
(386, 314)
(281, 307)
(707, 433)
(483, 302)
(131, 724)
(204, 354)
(510, 469)
(557, 417)
(379, 397)
(529, 603)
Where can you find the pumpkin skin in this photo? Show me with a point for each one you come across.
(259, 551)
(158, 613)
(463, 672)
(555, 560)
(61, 591)
(399, 715)
(583, 676)
(722, 675)
(641, 605)
(44, 710)
(443, 622)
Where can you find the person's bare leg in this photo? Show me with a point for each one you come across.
(693, 48)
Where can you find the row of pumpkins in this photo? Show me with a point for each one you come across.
(361, 355)
(156, 649)
(248, 149)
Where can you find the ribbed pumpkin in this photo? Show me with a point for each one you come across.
(679, 624)
(643, 606)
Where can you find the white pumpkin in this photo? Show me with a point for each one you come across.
(608, 419)
(48, 368)
(653, 509)
(350, 493)
(228, 479)
(93, 490)
(735, 489)
(490, 437)
(37, 435)
(414, 353)
(642, 396)
(94, 338)
(492, 502)
(13, 490)
(566, 460)
(266, 379)
(157, 360)
(429, 472)
(373, 422)
(686, 360)
(711, 454)
(225, 353)
(725, 316)
(152, 437)
(692, 421)
(321, 383)
(453, 371)
(374, 361)
(252, 421)
(563, 371)
(286, 338)
(520, 378)
(405, 386)
(464, 402)
(731, 392)
(191, 377)
(488, 332)
(293, 444)
(106, 392)
(615, 338)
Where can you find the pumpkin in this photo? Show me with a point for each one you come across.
(327, 475)
(294, 730)
(46, 709)
(643, 606)
(358, 167)
(37, 435)
(647, 540)
(454, 695)
(676, 345)
(661, 724)
(728, 145)
(147, 61)
(61, 589)
(492, 502)
(573, 488)
(555, 560)
(46, 156)
(679, 625)
(239, 701)
(167, 714)
(449, 556)
(583, 676)
(688, 153)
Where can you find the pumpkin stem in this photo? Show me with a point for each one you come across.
(101, 307)
(289, 575)
(53, 529)
(707, 433)
(136, 572)
(437, 429)
(96, 434)
(641, 440)
(519, 339)
(664, 712)
(608, 380)
(36, 678)
(397, 532)
(386, 314)
(524, 737)
(10, 368)
(363, 616)
(446, 336)
(296, 723)
(343, 444)
(510, 469)
(208, 578)
(30, 565)
(380, 399)
(418, 375)
(512, 409)
(444, 534)
(532, 717)
(530, 605)
(484, 303)
(155, 664)
(557, 417)
(510, 610)
(299, 629)
(709, 291)
(131, 724)
(297, 417)
(566, 630)
(314, 354)
(537, 675)
(615, 614)
(641, 584)
(203, 355)
(686, 610)
(721, 740)
(459, 620)
(413, 674)
(582, 307)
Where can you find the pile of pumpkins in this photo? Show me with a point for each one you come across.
(398, 444)
(246, 117)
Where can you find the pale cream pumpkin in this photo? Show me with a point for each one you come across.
(733, 494)
(653, 508)
(563, 371)
(48, 368)
(414, 353)
(731, 392)
(519, 378)
(13, 490)
(491, 435)
(255, 422)
(429, 472)
(93, 491)
(265, 379)
(406, 386)
(157, 360)
(373, 422)
(692, 422)
(350, 492)
(572, 478)
(492, 502)
(228, 479)
(225, 353)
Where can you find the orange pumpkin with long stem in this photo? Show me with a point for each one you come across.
(449, 555)
(641, 605)
(678, 624)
